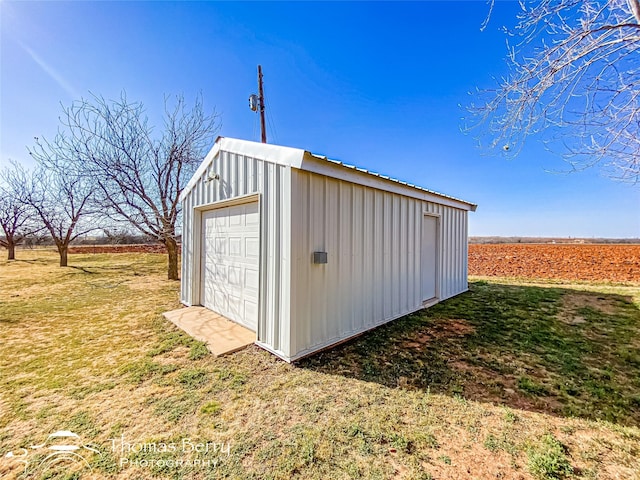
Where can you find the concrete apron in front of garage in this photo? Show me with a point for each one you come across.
(221, 335)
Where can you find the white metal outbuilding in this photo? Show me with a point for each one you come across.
(308, 252)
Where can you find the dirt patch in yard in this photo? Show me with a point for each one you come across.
(482, 384)
(576, 300)
(450, 329)
(460, 463)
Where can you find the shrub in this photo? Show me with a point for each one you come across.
(548, 460)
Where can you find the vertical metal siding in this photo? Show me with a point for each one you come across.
(242, 175)
(373, 241)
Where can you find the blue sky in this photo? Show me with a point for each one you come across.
(374, 84)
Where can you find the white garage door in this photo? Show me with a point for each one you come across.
(230, 256)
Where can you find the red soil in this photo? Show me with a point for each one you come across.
(616, 263)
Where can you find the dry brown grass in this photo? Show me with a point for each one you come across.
(86, 349)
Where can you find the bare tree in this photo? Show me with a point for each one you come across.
(574, 75)
(60, 198)
(15, 218)
(138, 175)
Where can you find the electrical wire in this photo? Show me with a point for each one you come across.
(271, 122)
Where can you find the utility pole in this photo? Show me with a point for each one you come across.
(256, 102)
(263, 125)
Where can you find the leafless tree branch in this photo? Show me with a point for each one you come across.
(58, 197)
(15, 216)
(573, 80)
(137, 176)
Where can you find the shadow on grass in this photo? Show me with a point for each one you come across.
(83, 269)
(552, 350)
(135, 269)
(30, 261)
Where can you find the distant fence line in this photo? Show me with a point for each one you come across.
(133, 248)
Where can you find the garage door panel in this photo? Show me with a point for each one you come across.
(208, 223)
(220, 246)
(230, 279)
(252, 247)
(252, 219)
(251, 214)
(235, 304)
(219, 273)
(251, 278)
(220, 221)
(235, 246)
(220, 300)
(235, 218)
(234, 277)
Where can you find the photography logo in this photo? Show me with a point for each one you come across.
(60, 450)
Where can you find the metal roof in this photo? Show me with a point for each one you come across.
(296, 158)
(392, 179)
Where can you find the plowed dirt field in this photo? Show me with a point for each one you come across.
(616, 263)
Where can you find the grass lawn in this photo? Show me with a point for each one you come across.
(510, 380)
